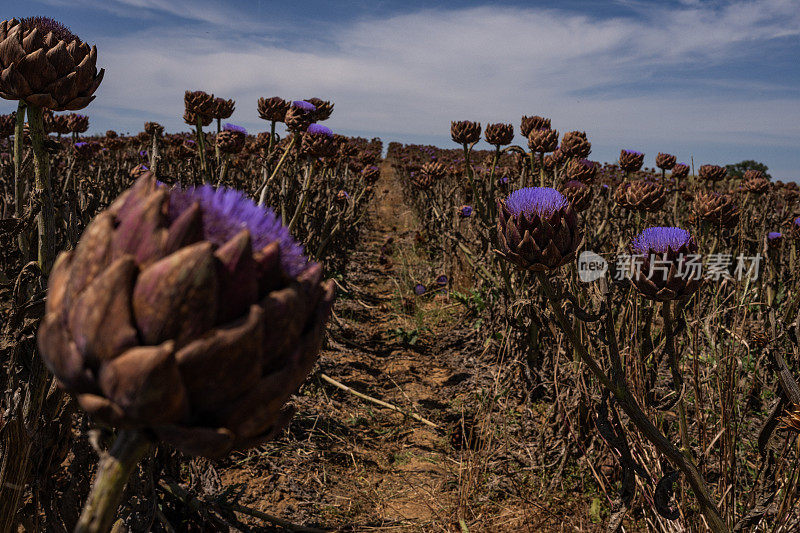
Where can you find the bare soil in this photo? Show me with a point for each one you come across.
(348, 464)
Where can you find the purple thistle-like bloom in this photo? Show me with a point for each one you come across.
(797, 221)
(419, 289)
(319, 129)
(81, 144)
(143, 153)
(541, 201)
(772, 235)
(442, 280)
(233, 127)
(465, 211)
(633, 152)
(658, 239)
(305, 106)
(227, 211)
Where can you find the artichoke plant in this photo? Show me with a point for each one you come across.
(663, 269)
(44, 64)
(188, 314)
(537, 229)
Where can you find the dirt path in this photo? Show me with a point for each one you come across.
(348, 462)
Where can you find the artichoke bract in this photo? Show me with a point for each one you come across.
(537, 229)
(190, 313)
(46, 65)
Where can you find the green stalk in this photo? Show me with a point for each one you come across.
(154, 155)
(112, 475)
(43, 192)
(19, 181)
(303, 197)
(677, 378)
(263, 197)
(201, 146)
(216, 140)
(224, 169)
(476, 197)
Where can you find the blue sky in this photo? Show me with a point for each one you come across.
(718, 81)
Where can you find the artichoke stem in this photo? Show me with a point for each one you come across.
(223, 171)
(19, 181)
(301, 205)
(154, 155)
(112, 475)
(43, 191)
(677, 377)
(216, 141)
(683, 461)
(201, 146)
(263, 198)
(271, 138)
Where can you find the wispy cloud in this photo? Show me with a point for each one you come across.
(639, 81)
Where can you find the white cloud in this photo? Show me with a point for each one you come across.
(411, 74)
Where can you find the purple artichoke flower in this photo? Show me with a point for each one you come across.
(303, 105)
(189, 312)
(319, 129)
(662, 258)
(465, 211)
(233, 127)
(442, 280)
(419, 289)
(537, 229)
(772, 235)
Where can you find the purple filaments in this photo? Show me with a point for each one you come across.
(797, 221)
(46, 25)
(305, 106)
(465, 211)
(541, 201)
(319, 129)
(81, 144)
(772, 235)
(419, 289)
(659, 239)
(143, 153)
(633, 152)
(227, 211)
(233, 127)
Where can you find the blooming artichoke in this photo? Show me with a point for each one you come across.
(662, 270)
(46, 65)
(537, 229)
(190, 313)
(231, 139)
